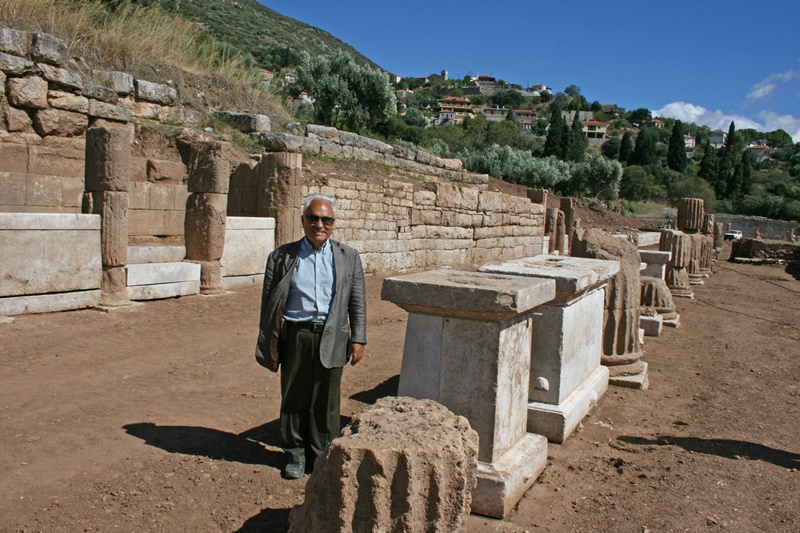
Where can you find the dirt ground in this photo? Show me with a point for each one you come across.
(158, 418)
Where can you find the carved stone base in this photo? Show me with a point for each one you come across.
(638, 381)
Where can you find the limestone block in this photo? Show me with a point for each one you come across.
(14, 41)
(537, 196)
(492, 201)
(331, 148)
(450, 196)
(108, 111)
(46, 253)
(120, 82)
(115, 291)
(155, 92)
(42, 190)
(244, 175)
(71, 192)
(138, 255)
(60, 76)
(112, 206)
(160, 273)
(367, 155)
(651, 325)
(323, 133)
(453, 164)
(61, 123)
(357, 141)
(13, 157)
(146, 110)
(139, 195)
(164, 290)
(108, 156)
(101, 93)
(68, 101)
(160, 197)
(204, 226)
(17, 120)
(146, 222)
(244, 122)
(284, 142)
(423, 157)
(248, 242)
(11, 64)
(209, 168)
(163, 170)
(691, 214)
(45, 47)
(402, 465)
(30, 91)
(48, 303)
(12, 188)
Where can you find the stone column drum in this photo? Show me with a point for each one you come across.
(280, 193)
(401, 465)
(467, 346)
(622, 353)
(691, 214)
(207, 210)
(106, 185)
(679, 245)
(566, 377)
(719, 237)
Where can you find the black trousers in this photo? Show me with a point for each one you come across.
(310, 396)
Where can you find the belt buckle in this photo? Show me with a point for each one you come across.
(317, 327)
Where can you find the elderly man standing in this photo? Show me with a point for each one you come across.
(313, 320)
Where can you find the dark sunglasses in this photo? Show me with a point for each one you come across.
(326, 221)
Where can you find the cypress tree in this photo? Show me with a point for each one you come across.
(626, 147)
(578, 140)
(554, 143)
(644, 152)
(747, 173)
(676, 156)
(567, 141)
(709, 165)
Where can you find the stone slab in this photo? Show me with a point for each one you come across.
(155, 254)
(638, 381)
(6, 320)
(502, 483)
(248, 242)
(672, 322)
(655, 257)
(161, 273)
(646, 238)
(420, 369)
(572, 275)
(49, 303)
(557, 422)
(238, 282)
(654, 270)
(651, 325)
(46, 255)
(475, 295)
(164, 290)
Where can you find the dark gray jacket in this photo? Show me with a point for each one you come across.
(347, 317)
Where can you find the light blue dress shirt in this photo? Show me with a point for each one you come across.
(312, 286)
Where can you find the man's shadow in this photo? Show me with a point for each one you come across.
(728, 448)
(386, 388)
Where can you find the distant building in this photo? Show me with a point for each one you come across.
(540, 88)
(266, 76)
(594, 129)
(582, 115)
(495, 113)
(689, 143)
(295, 102)
(718, 138)
(404, 93)
(656, 123)
(486, 82)
(760, 152)
(453, 110)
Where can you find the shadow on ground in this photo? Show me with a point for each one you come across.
(793, 268)
(728, 448)
(267, 520)
(386, 388)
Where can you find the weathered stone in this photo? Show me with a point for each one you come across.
(357, 141)
(108, 156)
(401, 465)
(284, 142)
(621, 350)
(209, 168)
(450, 196)
(719, 235)
(404, 153)
(61, 76)
(45, 47)
(108, 111)
(146, 110)
(679, 245)
(691, 214)
(68, 102)
(62, 123)
(17, 119)
(323, 133)
(657, 299)
(453, 164)
(54, 161)
(30, 91)
(14, 41)
(245, 122)
(551, 227)
(333, 149)
(112, 206)
(11, 64)
(98, 92)
(156, 93)
(708, 224)
(210, 277)
(119, 82)
(537, 196)
(161, 170)
(114, 287)
(204, 226)
(280, 193)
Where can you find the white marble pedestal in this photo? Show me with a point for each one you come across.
(468, 347)
(566, 378)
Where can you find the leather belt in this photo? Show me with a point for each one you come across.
(314, 327)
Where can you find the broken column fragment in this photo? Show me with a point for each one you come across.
(679, 245)
(401, 465)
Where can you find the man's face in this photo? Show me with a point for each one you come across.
(317, 232)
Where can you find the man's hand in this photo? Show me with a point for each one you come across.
(355, 352)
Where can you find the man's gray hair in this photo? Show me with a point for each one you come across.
(319, 196)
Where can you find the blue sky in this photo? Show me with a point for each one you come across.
(706, 61)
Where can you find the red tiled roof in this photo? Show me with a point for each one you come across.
(595, 122)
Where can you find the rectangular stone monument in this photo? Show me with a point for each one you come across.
(468, 347)
(566, 377)
(656, 263)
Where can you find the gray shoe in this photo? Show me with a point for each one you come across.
(294, 470)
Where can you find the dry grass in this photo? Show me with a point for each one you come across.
(150, 44)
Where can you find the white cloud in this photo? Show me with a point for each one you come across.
(717, 120)
(770, 84)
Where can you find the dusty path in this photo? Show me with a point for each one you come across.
(159, 419)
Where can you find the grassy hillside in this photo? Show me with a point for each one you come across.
(274, 40)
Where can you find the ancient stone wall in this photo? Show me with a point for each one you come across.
(397, 226)
(768, 228)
